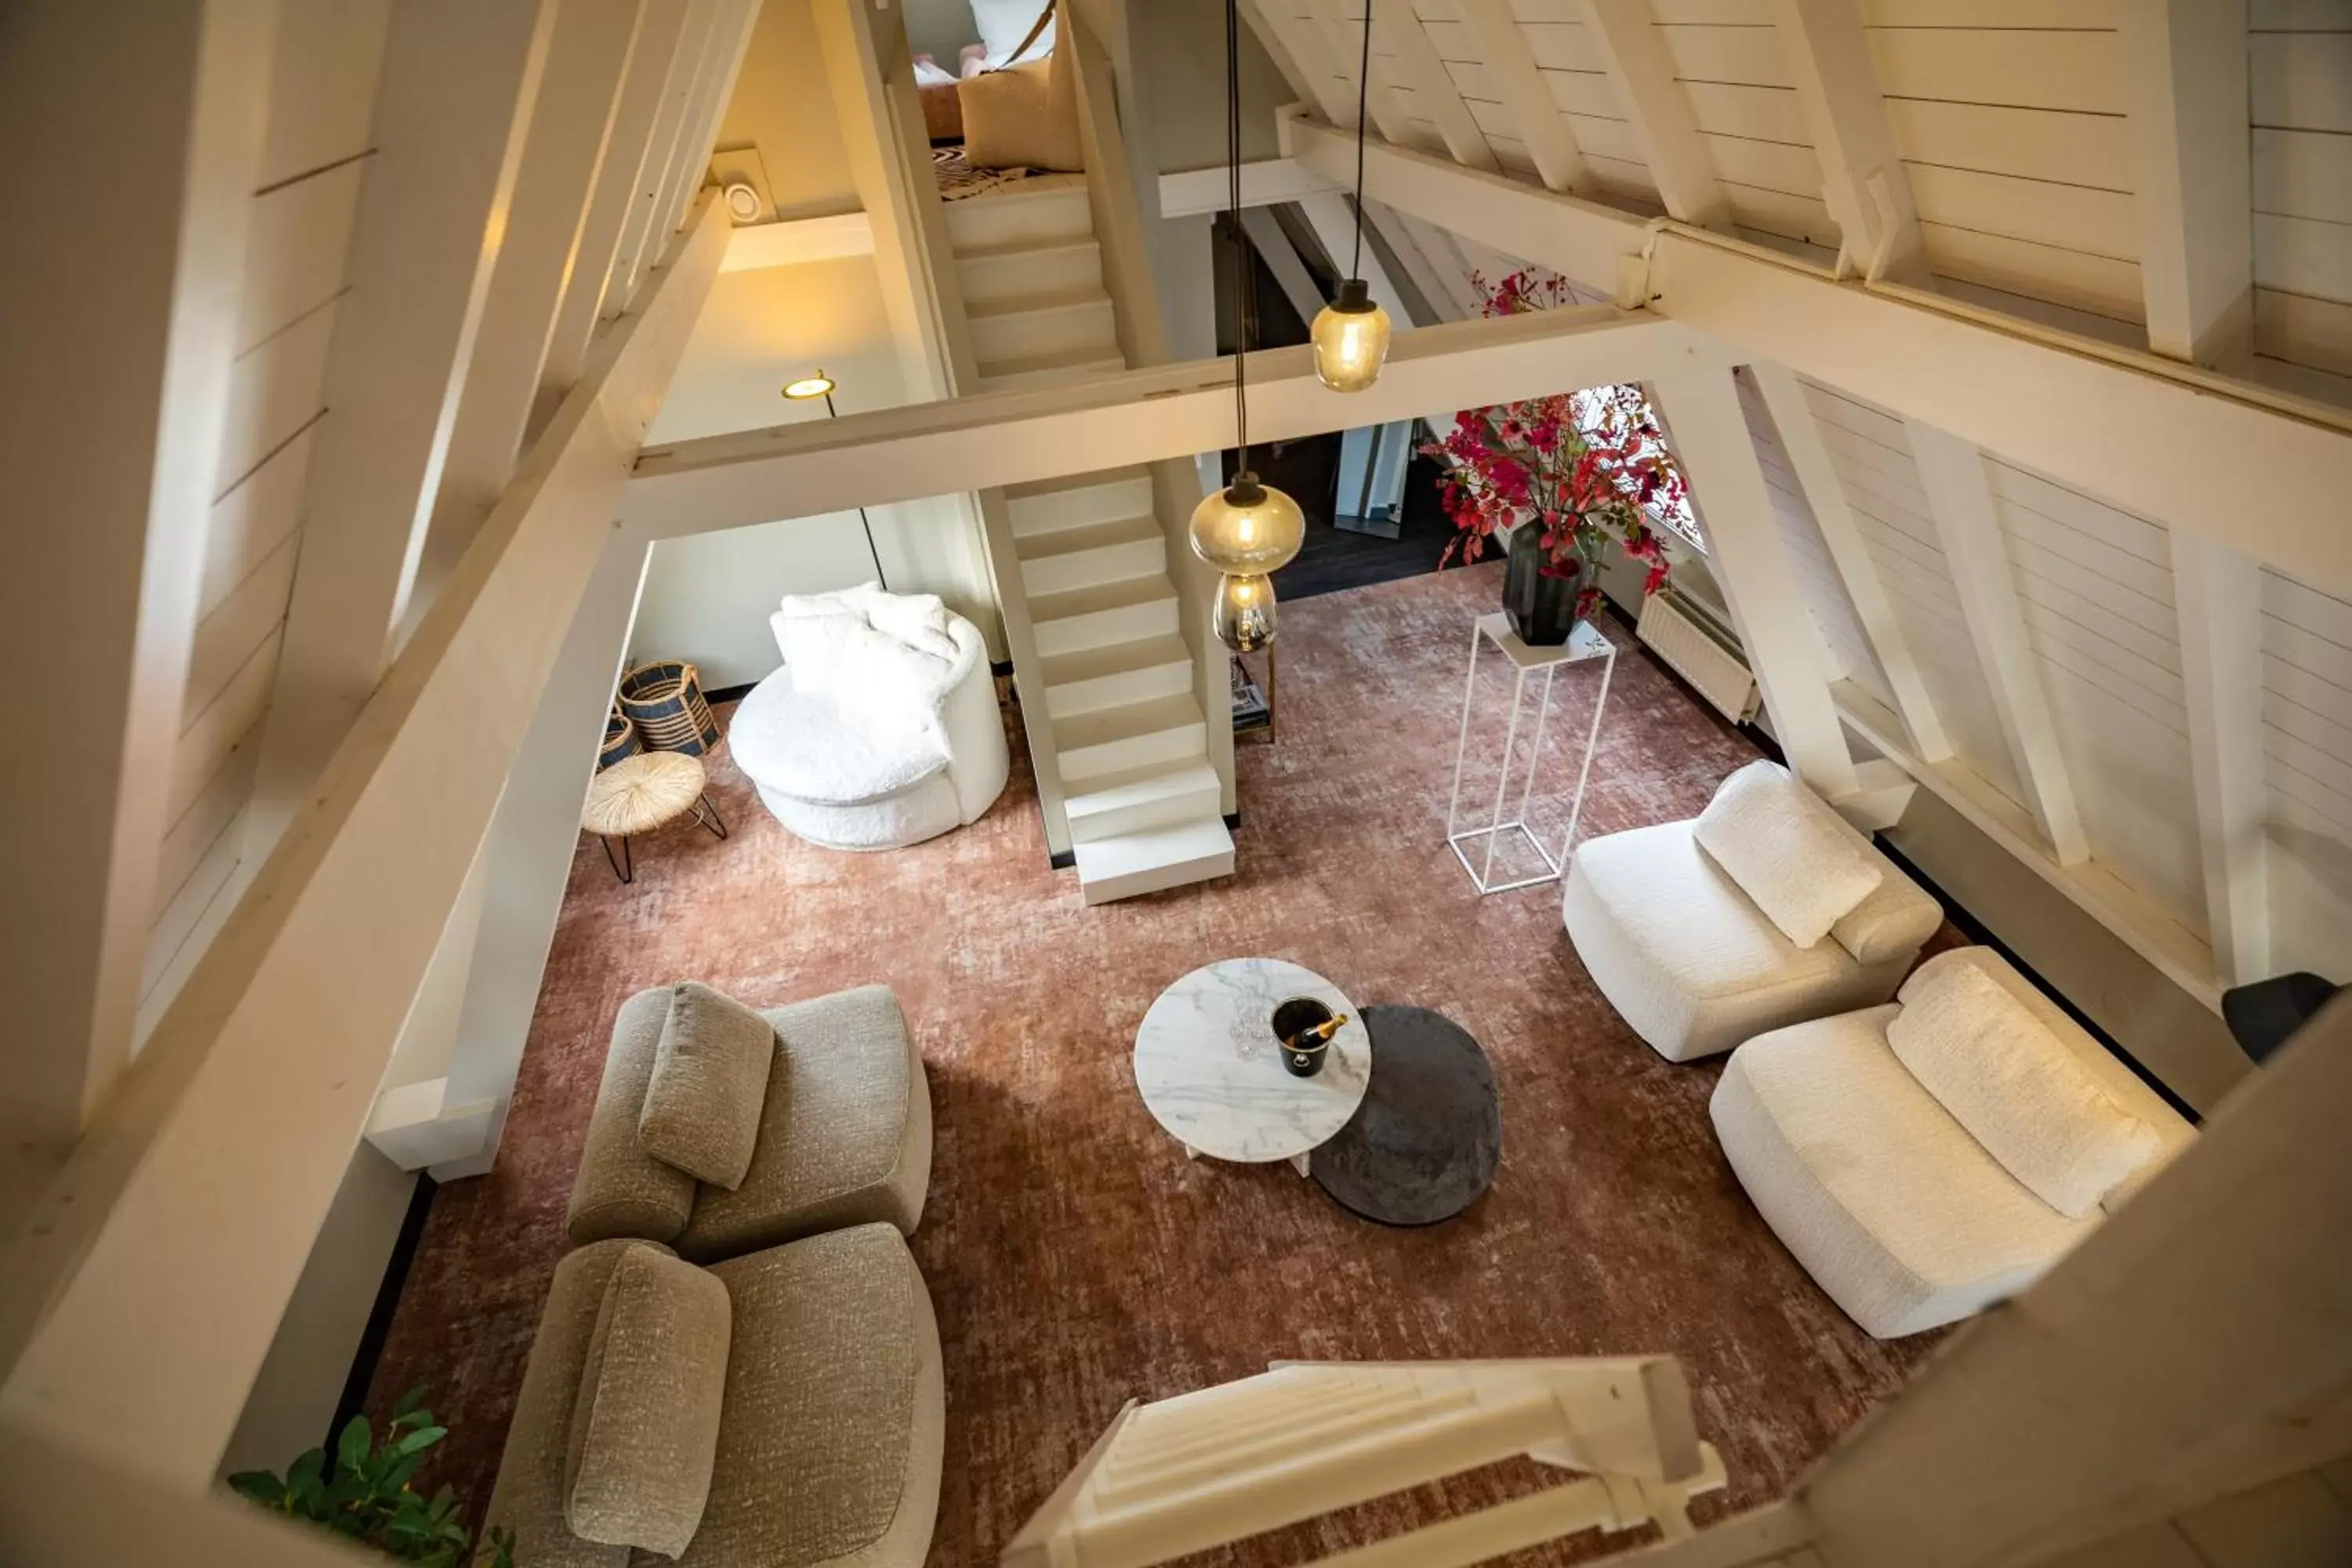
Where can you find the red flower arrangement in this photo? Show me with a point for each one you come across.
(1584, 467)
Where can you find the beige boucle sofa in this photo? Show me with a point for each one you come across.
(844, 1135)
(829, 1432)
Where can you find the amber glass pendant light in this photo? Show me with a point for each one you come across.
(1351, 333)
(1246, 530)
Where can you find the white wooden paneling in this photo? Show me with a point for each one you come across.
(322, 86)
(1643, 67)
(2071, 217)
(2301, 79)
(1744, 54)
(232, 630)
(1883, 490)
(193, 835)
(225, 724)
(2307, 702)
(2098, 284)
(2184, 65)
(294, 257)
(2039, 68)
(2301, 329)
(2302, 174)
(2303, 256)
(274, 389)
(1540, 122)
(2060, 147)
(256, 516)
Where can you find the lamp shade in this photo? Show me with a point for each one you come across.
(1351, 339)
(810, 386)
(1244, 617)
(1248, 529)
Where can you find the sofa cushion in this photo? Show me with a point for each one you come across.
(2017, 1088)
(620, 1190)
(709, 1081)
(809, 747)
(921, 621)
(1900, 1215)
(1767, 830)
(848, 1138)
(528, 1497)
(810, 631)
(644, 1424)
(836, 1409)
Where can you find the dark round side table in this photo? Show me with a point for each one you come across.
(1427, 1139)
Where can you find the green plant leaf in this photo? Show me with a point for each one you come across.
(306, 1470)
(401, 1471)
(351, 1447)
(259, 1486)
(412, 1401)
(443, 1501)
(416, 1442)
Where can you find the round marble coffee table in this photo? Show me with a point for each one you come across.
(1206, 1062)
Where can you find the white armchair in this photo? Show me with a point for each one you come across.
(1926, 1159)
(1670, 921)
(881, 729)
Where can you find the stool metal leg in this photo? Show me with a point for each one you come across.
(707, 813)
(624, 867)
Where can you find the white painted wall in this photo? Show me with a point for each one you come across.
(708, 598)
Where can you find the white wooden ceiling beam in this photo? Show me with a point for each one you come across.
(1176, 411)
(145, 1287)
(453, 108)
(1265, 181)
(1301, 54)
(1398, 231)
(570, 125)
(1708, 432)
(1659, 112)
(1345, 39)
(1396, 22)
(2185, 89)
(1960, 494)
(1863, 177)
(1824, 495)
(118, 334)
(1537, 116)
(2218, 596)
(617, 178)
(2134, 429)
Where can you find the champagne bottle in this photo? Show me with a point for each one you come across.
(1318, 1034)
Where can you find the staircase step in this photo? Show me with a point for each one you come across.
(1049, 369)
(1048, 210)
(1112, 613)
(1142, 798)
(1117, 673)
(1029, 325)
(1032, 267)
(1119, 740)
(1052, 505)
(1108, 553)
(1129, 863)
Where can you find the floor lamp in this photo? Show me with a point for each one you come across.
(821, 385)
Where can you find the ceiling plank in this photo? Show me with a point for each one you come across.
(1345, 40)
(1659, 112)
(1432, 83)
(1960, 494)
(1824, 493)
(1863, 177)
(1708, 432)
(1534, 112)
(2185, 83)
(2218, 596)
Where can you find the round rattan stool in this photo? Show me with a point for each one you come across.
(639, 794)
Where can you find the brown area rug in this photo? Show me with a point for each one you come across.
(1077, 1258)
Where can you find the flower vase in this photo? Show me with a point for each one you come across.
(1540, 601)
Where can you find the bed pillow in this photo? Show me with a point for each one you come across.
(709, 1084)
(2019, 1089)
(1784, 849)
(1024, 116)
(918, 620)
(644, 1423)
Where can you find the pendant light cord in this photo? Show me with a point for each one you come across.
(1363, 96)
(1245, 280)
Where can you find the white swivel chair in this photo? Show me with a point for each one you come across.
(1670, 921)
(882, 728)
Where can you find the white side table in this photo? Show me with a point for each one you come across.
(1584, 643)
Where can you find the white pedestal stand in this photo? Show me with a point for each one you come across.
(1584, 643)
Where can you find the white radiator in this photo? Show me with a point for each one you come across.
(1701, 656)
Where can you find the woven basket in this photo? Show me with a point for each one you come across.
(621, 740)
(664, 701)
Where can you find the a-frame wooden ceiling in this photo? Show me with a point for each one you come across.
(2074, 161)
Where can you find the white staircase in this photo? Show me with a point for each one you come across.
(1219, 1466)
(1121, 711)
